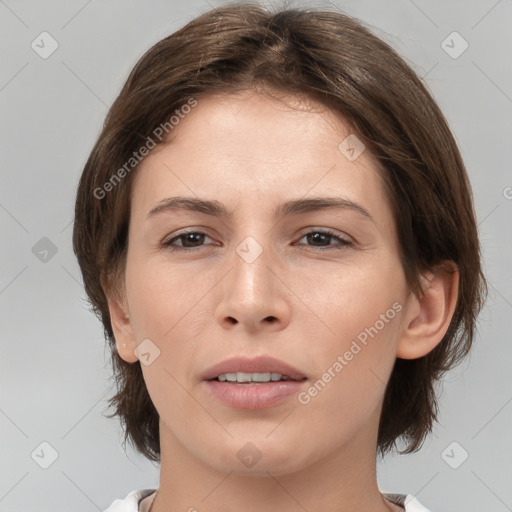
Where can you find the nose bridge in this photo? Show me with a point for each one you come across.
(251, 279)
(251, 293)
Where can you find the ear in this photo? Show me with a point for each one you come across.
(121, 323)
(427, 318)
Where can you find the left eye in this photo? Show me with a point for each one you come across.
(193, 239)
(325, 236)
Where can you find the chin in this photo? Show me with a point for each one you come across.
(258, 459)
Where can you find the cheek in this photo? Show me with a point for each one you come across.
(334, 301)
(349, 387)
(161, 297)
(359, 312)
(344, 300)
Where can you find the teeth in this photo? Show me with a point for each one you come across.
(251, 377)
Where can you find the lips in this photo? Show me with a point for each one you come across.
(260, 364)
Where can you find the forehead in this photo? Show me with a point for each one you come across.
(252, 149)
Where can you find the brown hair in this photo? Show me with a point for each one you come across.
(335, 60)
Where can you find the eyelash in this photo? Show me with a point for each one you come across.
(344, 243)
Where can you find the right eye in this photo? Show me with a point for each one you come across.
(189, 240)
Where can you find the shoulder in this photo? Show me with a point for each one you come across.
(409, 502)
(131, 502)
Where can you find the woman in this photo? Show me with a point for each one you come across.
(276, 229)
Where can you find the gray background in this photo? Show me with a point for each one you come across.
(55, 374)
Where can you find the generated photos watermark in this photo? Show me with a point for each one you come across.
(159, 133)
(361, 341)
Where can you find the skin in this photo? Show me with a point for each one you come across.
(252, 152)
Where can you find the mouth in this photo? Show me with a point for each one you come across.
(260, 369)
(253, 383)
(253, 378)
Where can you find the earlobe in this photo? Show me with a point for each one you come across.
(430, 315)
(122, 327)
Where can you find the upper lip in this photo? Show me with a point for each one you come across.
(260, 364)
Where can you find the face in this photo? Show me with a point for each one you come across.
(320, 289)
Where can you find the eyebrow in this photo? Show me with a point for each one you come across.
(292, 207)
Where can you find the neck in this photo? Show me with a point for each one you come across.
(342, 481)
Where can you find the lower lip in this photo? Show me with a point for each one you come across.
(254, 396)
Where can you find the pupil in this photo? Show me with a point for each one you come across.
(317, 237)
(189, 237)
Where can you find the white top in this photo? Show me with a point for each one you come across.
(140, 500)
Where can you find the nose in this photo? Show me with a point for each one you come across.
(253, 294)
